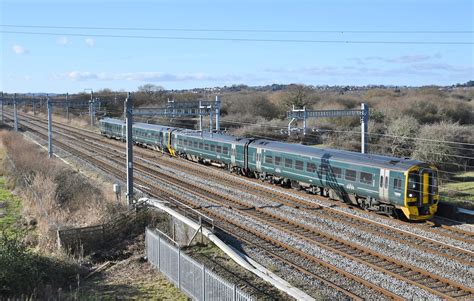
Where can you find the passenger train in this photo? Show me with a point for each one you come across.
(388, 185)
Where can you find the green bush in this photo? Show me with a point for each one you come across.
(23, 272)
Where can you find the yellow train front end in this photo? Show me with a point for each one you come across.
(421, 192)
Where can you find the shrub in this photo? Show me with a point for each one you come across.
(400, 133)
(23, 272)
(433, 148)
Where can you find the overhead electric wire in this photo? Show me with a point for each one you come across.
(446, 189)
(243, 30)
(240, 39)
(350, 131)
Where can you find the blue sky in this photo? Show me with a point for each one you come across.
(71, 63)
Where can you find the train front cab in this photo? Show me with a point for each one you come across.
(421, 192)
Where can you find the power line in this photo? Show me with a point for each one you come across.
(239, 39)
(244, 30)
(349, 131)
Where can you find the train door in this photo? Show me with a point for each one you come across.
(384, 184)
(427, 177)
(258, 160)
(233, 152)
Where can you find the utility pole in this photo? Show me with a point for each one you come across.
(364, 127)
(211, 127)
(15, 116)
(304, 114)
(50, 128)
(200, 117)
(2, 108)
(67, 106)
(218, 113)
(129, 124)
(91, 108)
(34, 105)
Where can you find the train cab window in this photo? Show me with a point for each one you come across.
(200, 145)
(337, 172)
(381, 181)
(366, 178)
(434, 183)
(206, 146)
(268, 159)
(311, 167)
(225, 150)
(351, 175)
(277, 161)
(213, 148)
(397, 184)
(219, 149)
(413, 185)
(288, 163)
(299, 165)
(386, 182)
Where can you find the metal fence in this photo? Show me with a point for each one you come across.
(188, 275)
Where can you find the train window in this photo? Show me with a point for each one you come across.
(299, 165)
(337, 172)
(434, 183)
(386, 182)
(397, 184)
(225, 150)
(206, 146)
(351, 175)
(268, 159)
(213, 148)
(200, 145)
(219, 149)
(311, 167)
(366, 178)
(277, 160)
(195, 143)
(288, 163)
(381, 181)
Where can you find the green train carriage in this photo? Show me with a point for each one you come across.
(378, 183)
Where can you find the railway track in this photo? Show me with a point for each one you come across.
(420, 278)
(296, 197)
(151, 188)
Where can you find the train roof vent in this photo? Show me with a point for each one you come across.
(393, 162)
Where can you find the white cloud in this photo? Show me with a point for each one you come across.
(63, 41)
(18, 49)
(90, 42)
(413, 69)
(403, 59)
(146, 76)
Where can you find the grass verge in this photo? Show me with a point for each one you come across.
(460, 192)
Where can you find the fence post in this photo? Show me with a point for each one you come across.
(203, 283)
(159, 252)
(179, 267)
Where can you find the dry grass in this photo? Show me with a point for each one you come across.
(52, 194)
